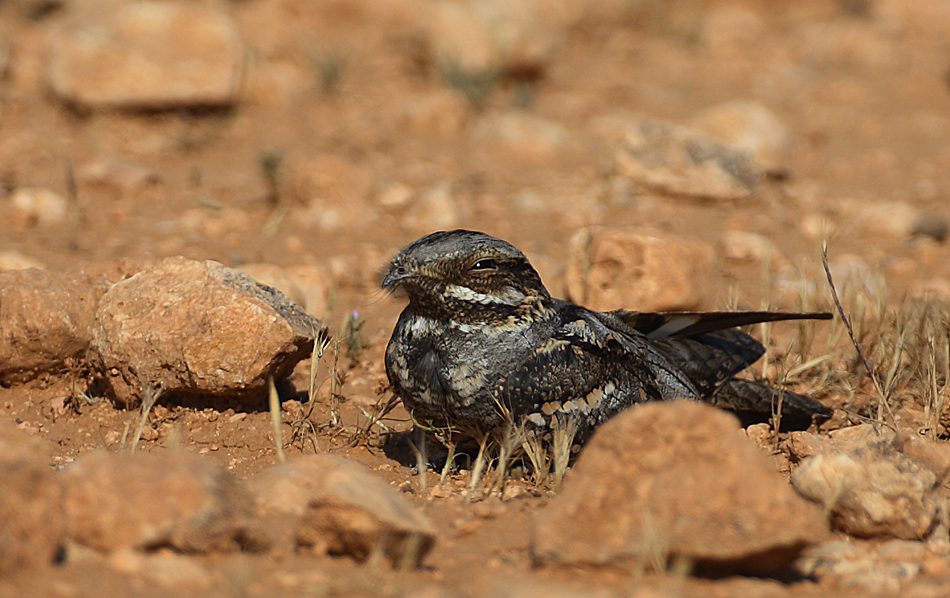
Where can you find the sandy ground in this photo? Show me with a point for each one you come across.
(862, 88)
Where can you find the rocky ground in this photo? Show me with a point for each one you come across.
(171, 426)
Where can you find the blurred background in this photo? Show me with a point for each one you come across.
(307, 140)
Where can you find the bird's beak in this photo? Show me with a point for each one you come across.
(397, 275)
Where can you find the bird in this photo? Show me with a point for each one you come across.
(482, 345)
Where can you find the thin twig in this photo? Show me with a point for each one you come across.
(847, 323)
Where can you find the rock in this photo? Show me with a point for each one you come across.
(150, 55)
(224, 224)
(275, 277)
(881, 570)
(17, 446)
(442, 112)
(338, 506)
(14, 260)
(612, 268)
(747, 247)
(524, 135)
(314, 283)
(118, 178)
(853, 274)
(675, 480)
(679, 161)
(46, 319)
(36, 205)
(166, 570)
(192, 327)
(882, 487)
(395, 196)
(815, 226)
(803, 444)
(512, 37)
(931, 288)
(528, 587)
(934, 226)
(172, 498)
(436, 209)
(893, 218)
(31, 515)
(750, 128)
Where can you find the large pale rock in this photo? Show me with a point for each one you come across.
(314, 283)
(522, 135)
(37, 205)
(163, 569)
(150, 55)
(14, 260)
(883, 487)
(881, 569)
(198, 328)
(435, 209)
(804, 444)
(748, 127)
(339, 506)
(307, 285)
(31, 514)
(744, 246)
(276, 277)
(46, 319)
(611, 268)
(481, 35)
(117, 178)
(148, 500)
(676, 479)
(678, 160)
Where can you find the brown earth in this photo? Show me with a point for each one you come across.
(863, 88)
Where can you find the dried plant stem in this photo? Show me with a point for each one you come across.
(274, 400)
(449, 458)
(420, 449)
(334, 381)
(563, 435)
(847, 322)
(149, 396)
(319, 346)
(478, 468)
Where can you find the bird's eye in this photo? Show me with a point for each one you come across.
(484, 265)
(400, 270)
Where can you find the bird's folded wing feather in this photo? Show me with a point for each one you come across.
(590, 353)
(711, 358)
(667, 324)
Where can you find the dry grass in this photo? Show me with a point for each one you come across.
(871, 360)
(149, 395)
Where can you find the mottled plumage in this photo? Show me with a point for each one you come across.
(482, 343)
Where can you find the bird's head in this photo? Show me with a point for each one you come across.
(468, 277)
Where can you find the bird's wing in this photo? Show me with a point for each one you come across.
(710, 358)
(602, 362)
(686, 323)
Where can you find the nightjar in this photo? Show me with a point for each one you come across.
(482, 343)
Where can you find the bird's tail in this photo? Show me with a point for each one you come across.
(756, 401)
